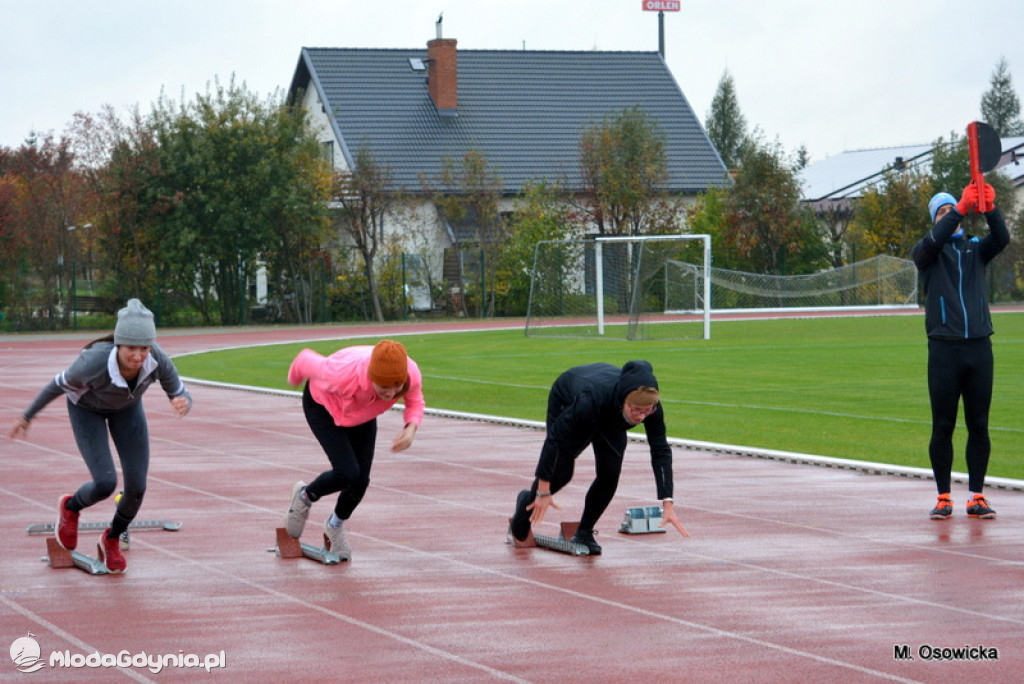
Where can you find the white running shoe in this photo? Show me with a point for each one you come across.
(298, 511)
(335, 541)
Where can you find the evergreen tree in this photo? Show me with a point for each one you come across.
(727, 128)
(1000, 106)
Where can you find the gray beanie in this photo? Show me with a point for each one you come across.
(135, 326)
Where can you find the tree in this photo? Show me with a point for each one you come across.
(766, 225)
(366, 196)
(623, 165)
(13, 242)
(45, 197)
(540, 216)
(234, 173)
(1000, 106)
(892, 215)
(727, 128)
(121, 167)
(466, 193)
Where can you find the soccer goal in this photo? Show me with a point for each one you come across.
(881, 282)
(621, 288)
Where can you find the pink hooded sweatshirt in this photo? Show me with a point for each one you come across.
(341, 384)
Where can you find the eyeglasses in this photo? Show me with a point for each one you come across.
(641, 410)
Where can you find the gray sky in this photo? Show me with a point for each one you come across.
(831, 75)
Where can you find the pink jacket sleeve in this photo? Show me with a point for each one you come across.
(306, 365)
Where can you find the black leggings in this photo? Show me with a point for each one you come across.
(960, 368)
(608, 453)
(350, 451)
(93, 432)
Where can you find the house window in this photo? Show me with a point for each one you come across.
(329, 152)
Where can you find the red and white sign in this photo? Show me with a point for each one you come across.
(661, 5)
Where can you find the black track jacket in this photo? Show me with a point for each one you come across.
(953, 276)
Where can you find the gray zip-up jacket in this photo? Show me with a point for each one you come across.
(94, 382)
(953, 276)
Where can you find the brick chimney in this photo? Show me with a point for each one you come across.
(443, 75)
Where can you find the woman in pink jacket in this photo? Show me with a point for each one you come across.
(344, 394)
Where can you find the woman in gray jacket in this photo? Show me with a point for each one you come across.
(104, 387)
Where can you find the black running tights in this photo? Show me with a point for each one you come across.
(350, 451)
(960, 369)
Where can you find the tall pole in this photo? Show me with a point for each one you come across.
(661, 34)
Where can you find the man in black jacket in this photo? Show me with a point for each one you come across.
(595, 404)
(960, 365)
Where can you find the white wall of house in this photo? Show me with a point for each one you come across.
(320, 122)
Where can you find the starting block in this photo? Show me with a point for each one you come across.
(169, 525)
(642, 520)
(560, 543)
(290, 547)
(59, 557)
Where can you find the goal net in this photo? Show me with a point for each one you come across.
(879, 282)
(621, 288)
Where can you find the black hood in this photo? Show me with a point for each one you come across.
(634, 374)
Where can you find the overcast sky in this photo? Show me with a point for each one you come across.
(831, 75)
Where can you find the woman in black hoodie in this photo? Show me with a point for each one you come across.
(595, 404)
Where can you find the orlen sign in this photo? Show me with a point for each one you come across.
(661, 5)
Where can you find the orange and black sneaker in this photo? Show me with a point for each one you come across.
(977, 507)
(943, 508)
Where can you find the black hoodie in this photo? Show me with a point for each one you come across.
(587, 400)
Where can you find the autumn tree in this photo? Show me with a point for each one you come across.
(45, 199)
(121, 167)
(624, 171)
(767, 227)
(893, 214)
(467, 192)
(366, 195)
(540, 215)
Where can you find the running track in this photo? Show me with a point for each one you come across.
(792, 572)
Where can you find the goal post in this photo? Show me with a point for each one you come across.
(621, 288)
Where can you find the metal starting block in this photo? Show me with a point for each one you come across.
(170, 525)
(642, 520)
(560, 543)
(59, 557)
(290, 547)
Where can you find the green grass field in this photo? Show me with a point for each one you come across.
(843, 387)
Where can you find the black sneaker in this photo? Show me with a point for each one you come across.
(521, 518)
(943, 508)
(586, 538)
(978, 507)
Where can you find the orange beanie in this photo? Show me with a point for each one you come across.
(389, 364)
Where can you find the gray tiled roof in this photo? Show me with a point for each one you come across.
(524, 110)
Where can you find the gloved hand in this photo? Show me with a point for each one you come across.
(987, 202)
(968, 200)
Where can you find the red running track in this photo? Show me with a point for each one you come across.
(792, 573)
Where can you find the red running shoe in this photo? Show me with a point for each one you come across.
(110, 553)
(67, 525)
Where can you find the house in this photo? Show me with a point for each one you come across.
(832, 184)
(523, 110)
